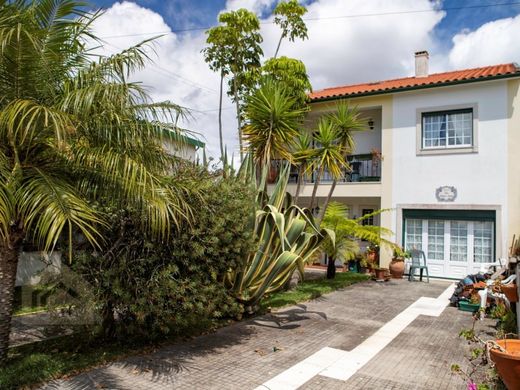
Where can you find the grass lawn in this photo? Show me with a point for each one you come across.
(312, 289)
(46, 360)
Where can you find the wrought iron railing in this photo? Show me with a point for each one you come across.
(363, 168)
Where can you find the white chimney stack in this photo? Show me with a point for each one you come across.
(421, 63)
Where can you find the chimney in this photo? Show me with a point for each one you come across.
(421, 63)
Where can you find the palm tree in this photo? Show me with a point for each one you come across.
(272, 123)
(345, 120)
(328, 154)
(347, 233)
(302, 154)
(73, 130)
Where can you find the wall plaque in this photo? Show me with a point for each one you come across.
(446, 194)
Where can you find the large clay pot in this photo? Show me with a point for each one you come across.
(508, 363)
(396, 268)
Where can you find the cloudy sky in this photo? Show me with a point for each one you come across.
(350, 41)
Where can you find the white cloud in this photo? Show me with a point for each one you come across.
(339, 51)
(257, 6)
(492, 43)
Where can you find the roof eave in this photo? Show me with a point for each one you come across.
(415, 87)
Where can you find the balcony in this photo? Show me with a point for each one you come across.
(363, 168)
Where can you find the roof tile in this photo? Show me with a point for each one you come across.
(437, 79)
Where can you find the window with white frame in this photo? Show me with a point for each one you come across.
(413, 234)
(459, 241)
(483, 242)
(447, 129)
(436, 239)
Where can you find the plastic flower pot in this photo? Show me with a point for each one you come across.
(508, 363)
(468, 306)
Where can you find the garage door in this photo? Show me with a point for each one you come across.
(455, 246)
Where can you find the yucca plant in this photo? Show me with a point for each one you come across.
(287, 237)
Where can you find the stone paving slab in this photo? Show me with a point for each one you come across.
(247, 354)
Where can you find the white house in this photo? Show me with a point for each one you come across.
(183, 146)
(443, 153)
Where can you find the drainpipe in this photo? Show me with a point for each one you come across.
(518, 303)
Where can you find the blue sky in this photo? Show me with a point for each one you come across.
(468, 14)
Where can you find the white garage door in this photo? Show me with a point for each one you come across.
(453, 248)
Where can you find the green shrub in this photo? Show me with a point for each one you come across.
(149, 288)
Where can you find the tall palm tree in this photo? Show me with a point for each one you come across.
(73, 130)
(346, 121)
(302, 154)
(272, 123)
(328, 154)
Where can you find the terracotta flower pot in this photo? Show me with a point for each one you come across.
(508, 363)
(396, 268)
(381, 273)
(510, 291)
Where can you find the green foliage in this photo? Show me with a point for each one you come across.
(288, 16)
(74, 130)
(292, 74)
(234, 49)
(272, 123)
(286, 238)
(311, 289)
(145, 287)
(348, 231)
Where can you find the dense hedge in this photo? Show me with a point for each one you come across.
(149, 288)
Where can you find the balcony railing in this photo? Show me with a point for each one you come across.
(363, 168)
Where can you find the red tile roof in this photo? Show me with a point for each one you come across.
(433, 80)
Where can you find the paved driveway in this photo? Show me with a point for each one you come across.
(397, 347)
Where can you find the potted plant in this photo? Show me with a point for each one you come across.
(505, 354)
(364, 266)
(372, 253)
(472, 305)
(381, 274)
(397, 264)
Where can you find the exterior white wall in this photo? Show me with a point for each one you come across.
(480, 178)
(184, 150)
(368, 140)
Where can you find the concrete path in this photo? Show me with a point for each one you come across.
(393, 335)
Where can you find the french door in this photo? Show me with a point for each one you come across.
(453, 248)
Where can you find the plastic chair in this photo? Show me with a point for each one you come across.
(418, 263)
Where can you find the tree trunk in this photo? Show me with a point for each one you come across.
(327, 201)
(301, 171)
(239, 122)
(9, 252)
(315, 188)
(220, 118)
(278, 47)
(331, 268)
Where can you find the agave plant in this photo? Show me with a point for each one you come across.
(287, 237)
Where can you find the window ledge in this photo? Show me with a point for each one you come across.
(434, 152)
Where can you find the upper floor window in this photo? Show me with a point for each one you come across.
(447, 129)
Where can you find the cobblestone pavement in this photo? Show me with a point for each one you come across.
(29, 328)
(247, 354)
